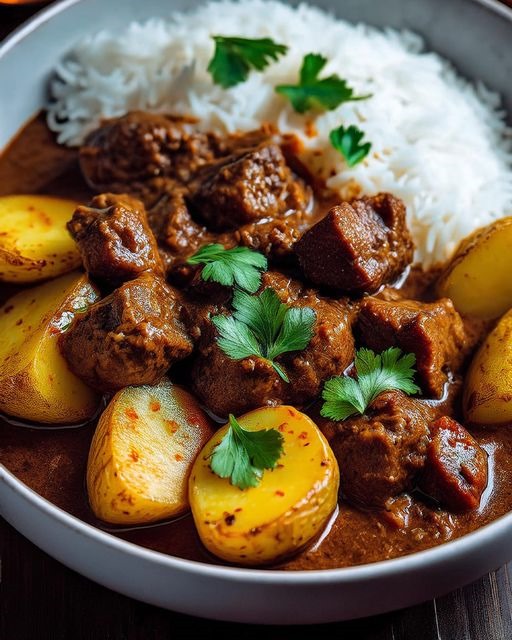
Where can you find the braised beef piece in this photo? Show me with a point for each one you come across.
(434, 332)
(131, 337)
(455, 472)
(274, 238)
(252, 382)
(380, 453)
(114, 239)
(358, 246)
(140, 146)
(249, 185)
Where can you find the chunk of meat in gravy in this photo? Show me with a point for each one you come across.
(434, 332)
(247, 186)
(455, 472)
(114, 239)
(358, 246)
(140, 146)
(131, 337)
(252, 382)
(380, 453)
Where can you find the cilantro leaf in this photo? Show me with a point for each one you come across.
(264, 327)
(344, 396)
(237, 266)
(243, 455)
(347, 142)
(234, 58)
(326, 93)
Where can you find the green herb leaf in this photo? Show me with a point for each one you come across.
(243, 455)
(264, 327)
(312, 92)
(344, 396)
(234, 58)
(238, 266)
(347, 142)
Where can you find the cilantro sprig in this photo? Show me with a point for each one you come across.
(264, 327)
(347, 142)
(243, 455)
(237, 266)
(345, 396)
(314, 92)
(234, 58)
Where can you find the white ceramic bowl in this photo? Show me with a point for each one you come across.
(477, 36)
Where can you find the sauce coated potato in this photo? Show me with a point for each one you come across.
(478, 277)
(488, 385)
(286, 510)
(34, 241)
(35, 382)
(142, 453)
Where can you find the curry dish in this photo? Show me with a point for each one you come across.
(427, 460)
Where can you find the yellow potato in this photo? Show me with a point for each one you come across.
(287, 509)
(142, 453)
(35, 382)
(478, 277)
(34, 241)
(488, 386)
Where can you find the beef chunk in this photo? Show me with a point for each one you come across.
(250, 383)
(140, 146)
(380, 453)
(131, 337)
(434, 332)
(357, 247)
(274, 238)
(114, 239)
(247, 186)
(329, 353)
(455, 471)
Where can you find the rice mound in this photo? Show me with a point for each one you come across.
(438, 142)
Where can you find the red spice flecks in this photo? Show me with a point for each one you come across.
(172, 425)
(154, 405)
(134, 455)
(303, 435)
(131, 413)
(282, 427)
(178, 457)
(279, 493)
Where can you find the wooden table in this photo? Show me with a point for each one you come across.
(41, 599)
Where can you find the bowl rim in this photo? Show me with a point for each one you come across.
(411, 562)
(439, 554)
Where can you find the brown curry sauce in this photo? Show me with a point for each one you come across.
(52, 461)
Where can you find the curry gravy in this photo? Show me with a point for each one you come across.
(52, 461)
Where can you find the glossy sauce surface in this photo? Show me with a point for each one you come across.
(53, 461)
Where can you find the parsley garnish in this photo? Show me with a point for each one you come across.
(326, 93)
(239, 266)
(243, 455)
(346, 141)
(235, 57)
(263, 326)
(344, 396)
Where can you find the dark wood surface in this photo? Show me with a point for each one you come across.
(41, 599)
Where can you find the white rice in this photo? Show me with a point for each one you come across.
(438, 142)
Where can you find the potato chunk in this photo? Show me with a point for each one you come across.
(142, 452)
(478, 277)
(488, 387)
(35, 382)
(34, 241)
(285, 511)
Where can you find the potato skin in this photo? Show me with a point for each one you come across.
(142, 453)
(487, 395)
(477, 278)
(285, 511)
(35, 382)
(34, 242)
